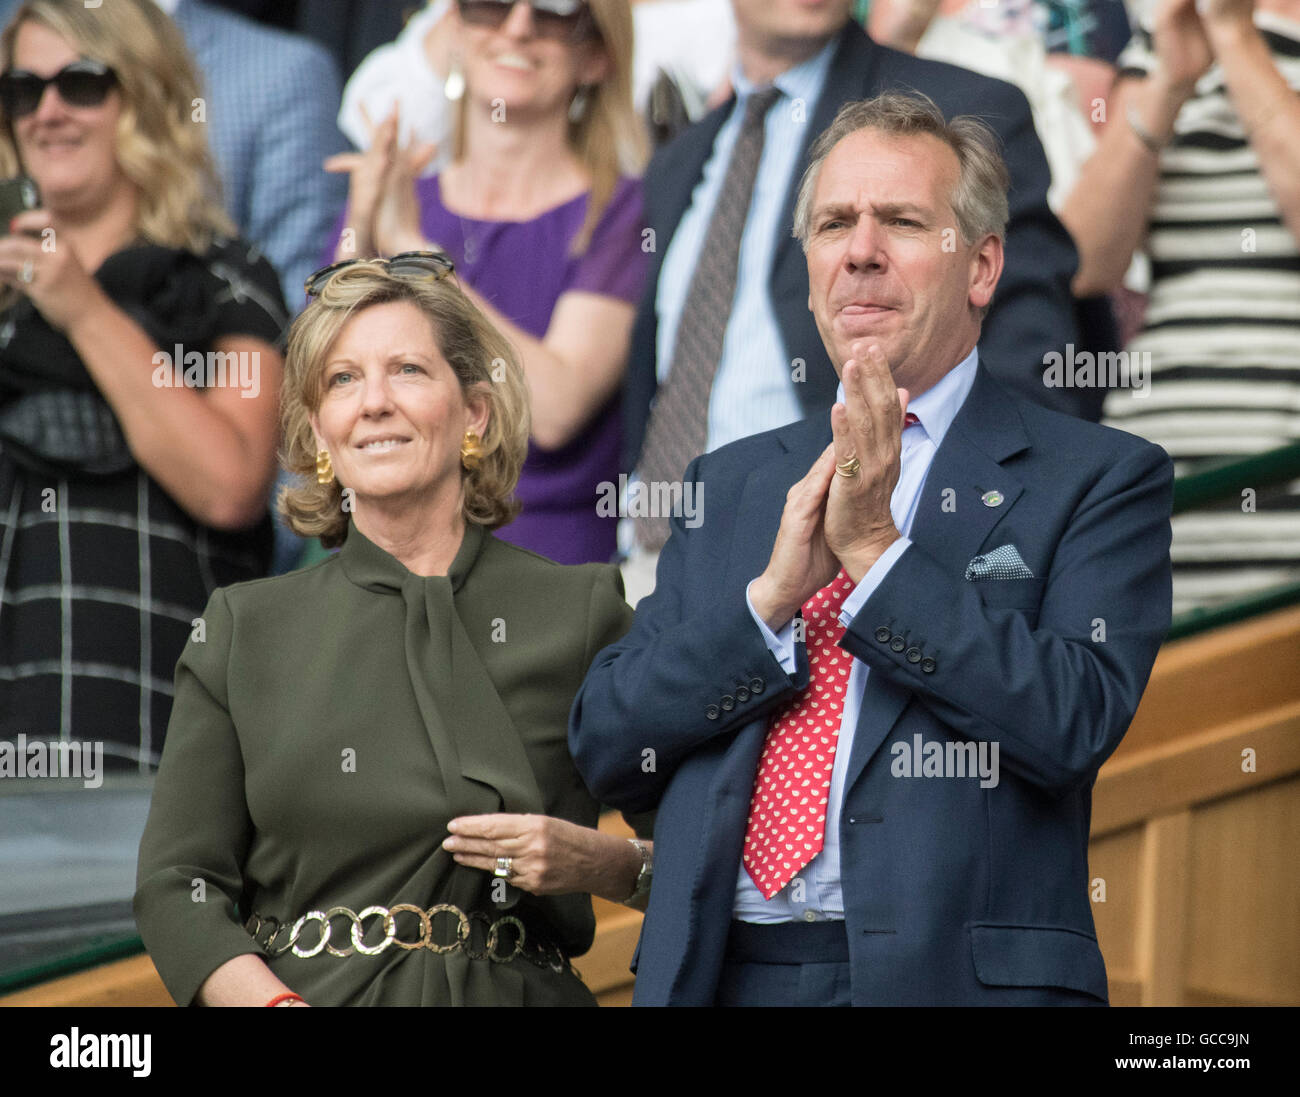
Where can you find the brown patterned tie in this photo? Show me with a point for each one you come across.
(678, 428)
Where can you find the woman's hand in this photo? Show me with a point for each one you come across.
(1219, 13)
(397, 215)
(548, 856)
(367, 170)
(383, 211)
(46, 268)
(1183, 53)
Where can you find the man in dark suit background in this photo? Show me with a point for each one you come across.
(773, 368)
(873, 686)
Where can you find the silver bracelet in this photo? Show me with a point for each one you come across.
(1143, 135)
(643, 877)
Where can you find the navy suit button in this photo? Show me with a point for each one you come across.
(728, 702)
(928, 665)
(897, 644)
(712, 712)
(756, 685)
(742, 694)
(913, 655)
(883, 634)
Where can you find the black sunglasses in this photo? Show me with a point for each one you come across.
(558, 20)
(417, 266)
(83, 83)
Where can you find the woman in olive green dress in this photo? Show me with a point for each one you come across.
(366, 795)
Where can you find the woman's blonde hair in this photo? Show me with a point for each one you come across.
(608, 136)
(161, 144)
(477, 353)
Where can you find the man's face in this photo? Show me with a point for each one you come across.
(772, 23)
(886, 262)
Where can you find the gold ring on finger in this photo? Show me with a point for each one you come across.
(849, 467)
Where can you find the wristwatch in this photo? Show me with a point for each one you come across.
(647, 872)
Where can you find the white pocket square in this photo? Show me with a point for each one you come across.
(1003, 562)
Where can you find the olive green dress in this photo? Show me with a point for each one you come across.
(328, 723)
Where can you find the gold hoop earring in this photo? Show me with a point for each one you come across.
(324, 467)
(471, 452)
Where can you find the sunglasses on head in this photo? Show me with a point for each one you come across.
(83, 83)
(416, 266)
(559, 20)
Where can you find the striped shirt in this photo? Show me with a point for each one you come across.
(102, 579)
(1222, 333)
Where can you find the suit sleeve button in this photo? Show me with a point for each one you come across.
(883, 634)
(897, 644)
(928, 665)
(913, 655)
(756, 685)
(712, 712)
(728, 702)
(742, 694)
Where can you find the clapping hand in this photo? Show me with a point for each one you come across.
(838, 514)
(868, 444)
(383, 210)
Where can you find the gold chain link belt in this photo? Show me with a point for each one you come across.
(266, 932)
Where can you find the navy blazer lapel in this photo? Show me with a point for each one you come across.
(950, 527)
(762, 499)
(952, 518)
(678, 170)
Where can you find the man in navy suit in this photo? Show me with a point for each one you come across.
(773, 369)
(888, 801)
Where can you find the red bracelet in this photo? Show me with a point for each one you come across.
(287, 996)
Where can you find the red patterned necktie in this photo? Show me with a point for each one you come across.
(787, 813)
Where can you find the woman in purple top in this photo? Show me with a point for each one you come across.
(544, 227)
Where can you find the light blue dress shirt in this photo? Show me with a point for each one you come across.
(815, 893)
(753, 389)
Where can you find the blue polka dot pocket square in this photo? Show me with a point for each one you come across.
(999, 563)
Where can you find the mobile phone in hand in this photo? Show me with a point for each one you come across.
(16, 196)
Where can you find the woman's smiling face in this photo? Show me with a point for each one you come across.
(70, 151)
(392, 412)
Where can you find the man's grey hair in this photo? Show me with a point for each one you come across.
(979, 201)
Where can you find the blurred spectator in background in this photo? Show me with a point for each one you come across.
(269, 104)
(272, 102)
(1199, 166)
(690, 42)
(1060, 53)
(724, 345)
(1008, 41)
(138, 378)
(545, 230)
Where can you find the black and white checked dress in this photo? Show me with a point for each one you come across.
(100, 580)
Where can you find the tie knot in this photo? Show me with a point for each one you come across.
(758, 104)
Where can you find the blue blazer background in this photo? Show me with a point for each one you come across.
(1033, 312)
(954, 894)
